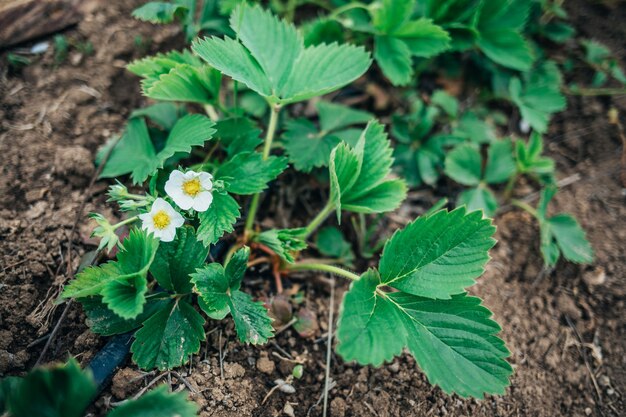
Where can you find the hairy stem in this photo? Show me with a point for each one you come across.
(508, 190)
(269, 138)
(127, 221)
(315, 266)
(319, 219)
(526, 207)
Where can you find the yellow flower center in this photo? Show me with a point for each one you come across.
(192, 187)
(161, 219)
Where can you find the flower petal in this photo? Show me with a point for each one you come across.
(168, 234)
(203, 201)
(206, 181)
(182, 200)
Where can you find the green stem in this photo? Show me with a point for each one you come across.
(210, 111)
(314, 266)
(122, 223)
(525, 206)
(347, 8)
(319, 219)
(269, 138)
(508, 190)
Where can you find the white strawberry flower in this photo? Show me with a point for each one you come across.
(190, 190)
(162, 220)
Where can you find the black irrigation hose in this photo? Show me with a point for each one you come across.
(114, 354)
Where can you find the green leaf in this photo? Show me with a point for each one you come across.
(392, 14)
(284, 242)
(394, 58)
(359, 176)
(191, 130)
(476, 130)
(101, 320)
(252, 323)
(218, 219)
(133, 261)
(286, 72)
(439, 255)
(507, 48)
(571, 238)
(135, 141)
(238, 134)
(331, 242)
(218, 288)
(160, 12)
(248, 173)
(423, 38)
(164, 115)
(257, 29)
(176, 260)
(184, 82)
(322, 69)
(464, 164)
(306, 147)
(500, 163)
(309, 148)
(335, 116)
(166, 339)
(448, 103)
(479, 198)
(539, 96)
(57, 391)
(454, 341)
(529, 158)
(126, 297)
(231, 58)
(157, 403)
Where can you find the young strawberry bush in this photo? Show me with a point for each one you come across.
(199, 180)
(160, 273)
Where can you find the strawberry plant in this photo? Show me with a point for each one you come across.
(66, 391)
(161, 287)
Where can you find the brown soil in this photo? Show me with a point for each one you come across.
(566, 329)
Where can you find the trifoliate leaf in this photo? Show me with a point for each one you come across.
(249, 173)
(218, 288)
(101, 320)
(157, 403)
(133, 261)
(218, 219)
(539, 96)
(166, 339)
(392, 14)
(464, 164)
(439, 255)
(570, 238)
(283, 242)
(529, 156)
(358, 175)
(160, 12)
(500, 163)
(394, 58)
(191, 130)
(57, 391)
(176, 260)
(126, 297)
(287, 72)
(454, 341)
(479, 198)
